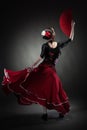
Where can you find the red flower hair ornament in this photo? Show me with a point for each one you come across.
(48, 33)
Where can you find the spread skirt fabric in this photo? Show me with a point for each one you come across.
(41, 85)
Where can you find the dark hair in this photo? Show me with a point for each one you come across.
(51, 34)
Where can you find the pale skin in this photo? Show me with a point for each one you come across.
(54, 44)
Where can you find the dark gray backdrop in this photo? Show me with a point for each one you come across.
(20, 46)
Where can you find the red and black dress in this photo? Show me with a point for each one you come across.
(41, 85)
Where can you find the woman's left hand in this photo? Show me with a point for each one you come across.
(30, 69)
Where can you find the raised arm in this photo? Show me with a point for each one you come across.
(63, 44)
(71, 37)
(72, 30)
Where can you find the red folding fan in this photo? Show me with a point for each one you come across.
(65, 21)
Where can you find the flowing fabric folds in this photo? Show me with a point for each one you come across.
(41, 85)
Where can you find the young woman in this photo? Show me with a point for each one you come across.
(40, 83)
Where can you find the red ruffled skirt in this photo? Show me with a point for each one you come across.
(41, 85)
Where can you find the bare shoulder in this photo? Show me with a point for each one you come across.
(53, 44)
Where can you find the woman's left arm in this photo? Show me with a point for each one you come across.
(43, 48)
(37, 62)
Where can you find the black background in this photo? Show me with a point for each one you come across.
(21, 25)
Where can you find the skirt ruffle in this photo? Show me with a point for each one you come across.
(41, 85)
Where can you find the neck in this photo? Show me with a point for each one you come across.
(51, 41)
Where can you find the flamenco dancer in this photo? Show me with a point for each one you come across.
(40, 84)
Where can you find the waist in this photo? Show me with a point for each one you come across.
(49, 61)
